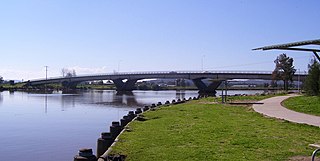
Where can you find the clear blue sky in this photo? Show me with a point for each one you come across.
(150, 35)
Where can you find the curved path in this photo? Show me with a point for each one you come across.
(272, 107)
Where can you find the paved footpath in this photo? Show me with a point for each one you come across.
(272, 107)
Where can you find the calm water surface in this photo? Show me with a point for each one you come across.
(40, 127)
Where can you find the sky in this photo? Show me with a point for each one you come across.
(103, 36)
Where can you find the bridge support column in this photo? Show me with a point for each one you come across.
(207, 89)
(124, 86)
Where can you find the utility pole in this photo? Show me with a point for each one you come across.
(299, 81)
(119, 65)
(226, 85)
(45, 85)
(203, 56)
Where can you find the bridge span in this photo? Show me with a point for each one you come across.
(132, 77)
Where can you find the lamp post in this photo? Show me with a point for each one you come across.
(119, 65)
(203, 56)
(298, 80)
(45, 85)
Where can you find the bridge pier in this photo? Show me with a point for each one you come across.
(207, 89)
(124, 86)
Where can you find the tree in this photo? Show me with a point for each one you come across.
(74, 73)
(312, 82)
(64, 71)
(68, 73)
(183, 83)
(284, 70)
(1, 80)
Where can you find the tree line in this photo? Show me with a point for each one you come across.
(312, 82)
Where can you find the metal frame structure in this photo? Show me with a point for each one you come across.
(295, 46)
(313, 157)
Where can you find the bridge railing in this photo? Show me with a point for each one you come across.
(177, 72)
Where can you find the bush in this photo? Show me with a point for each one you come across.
(312, 83)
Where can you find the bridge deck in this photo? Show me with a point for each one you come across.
(216, 75)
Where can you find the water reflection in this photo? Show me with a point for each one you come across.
(1, 98)
(46, 104)
(100, 98)
(68, 100)
(11, 92)
(70, 91)
(125, 98)
(180, 94)
(106, 98)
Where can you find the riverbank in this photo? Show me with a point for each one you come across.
(207, 130)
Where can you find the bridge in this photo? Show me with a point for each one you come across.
(125, 81)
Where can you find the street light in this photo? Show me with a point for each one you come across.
(119, 65)
(298, 80)
(203, 56)
(45, 85)
(46, 72)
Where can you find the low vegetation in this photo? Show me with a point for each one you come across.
(312, 82)
(304, 104)
(207, 130)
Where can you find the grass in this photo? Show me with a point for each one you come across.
(8, 86)
(253, 97)
(304, 104)
(200, 130)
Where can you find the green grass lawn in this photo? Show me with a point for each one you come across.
(252, 98)
(202, 130)
(305, 104)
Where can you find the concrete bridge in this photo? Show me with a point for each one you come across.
(125, 81)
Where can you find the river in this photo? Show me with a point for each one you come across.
(51, 127)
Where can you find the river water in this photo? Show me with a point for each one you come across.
(51, 127)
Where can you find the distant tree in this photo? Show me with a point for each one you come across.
(284, 70)
(274, 82)
(142, 86)
(155, 87)
(182, 83)
(11, 82)
(68, 73)
(74, 73)
(100, 82)
(312, 82)
(64, 72)
(1, 80)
